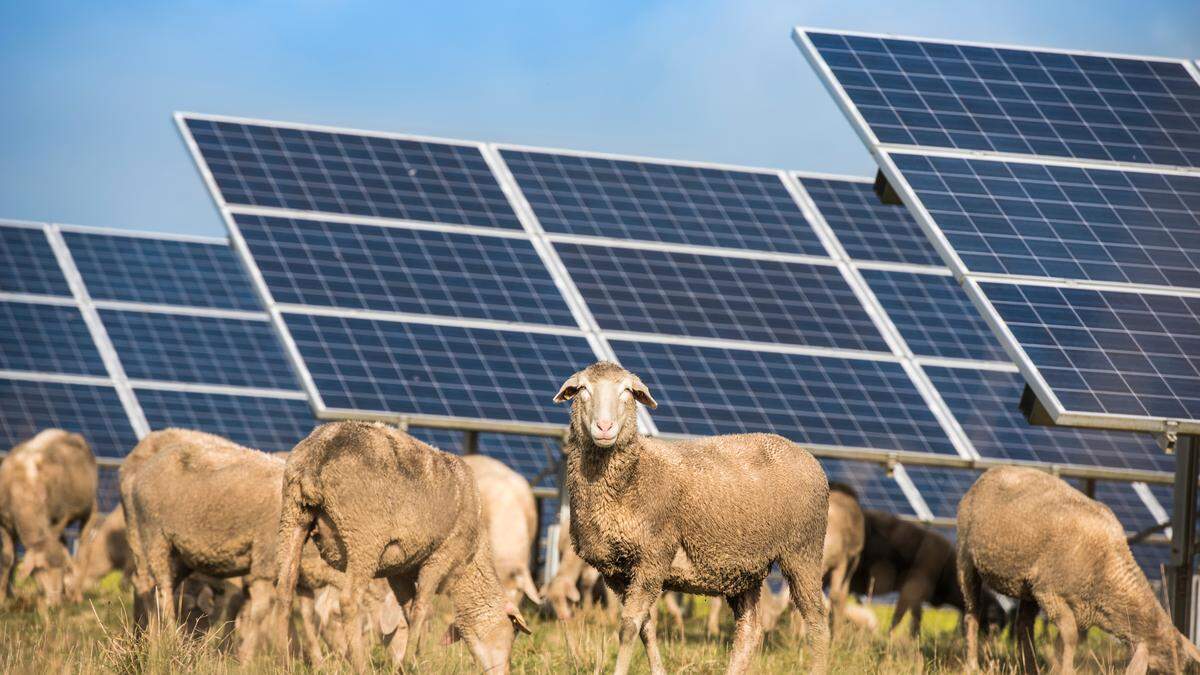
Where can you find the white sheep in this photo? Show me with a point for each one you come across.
(511, 515)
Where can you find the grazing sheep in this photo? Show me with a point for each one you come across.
(380, 616)
(46, 483)
(917, 563)
(708, 515)
(510, 512)
(1032, 536)
(196, 502)
(104, 551)
(380, 503)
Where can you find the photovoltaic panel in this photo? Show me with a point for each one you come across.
(198, 349)
(934, 315)
(356, 266)
(942, 488)
(1108, 352)
(1014, 100)
(530, 456)
(426, 369)
(710, 296)
(95, 411)
(359, 174)
(872, 486)
(1067, 222)
(27, 263)
(48, 339)
(985, 404)
(161, 271)
(867, 228)
(663, 202)
(108, 488)
(268, 424)
(809, 399)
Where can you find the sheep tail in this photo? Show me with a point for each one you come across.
(294, 525)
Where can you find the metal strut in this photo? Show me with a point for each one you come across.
(1183, 533)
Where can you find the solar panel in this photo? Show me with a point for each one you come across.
(95, 411)
(270, 424)
(198, 349)
(1013, 100)
(157, 270)
(27, 263)
(868, 229)
(47, 338)
(710, 296)
(394, 269)
(351, 173)
(984, 402)
(439, 370)
(530, 456)
(1066, 222)
(871, 485)
(942, 488)
(811, 400)
(660, 201)
(934, 315)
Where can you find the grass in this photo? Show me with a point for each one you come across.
(95, 637)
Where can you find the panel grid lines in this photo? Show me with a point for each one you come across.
(268, 424)
(28, 264)
(47, 338)
(94, 411)
(867, 228)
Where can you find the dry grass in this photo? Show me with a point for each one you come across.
(95, 637)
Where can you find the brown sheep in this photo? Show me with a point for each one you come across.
(575, 581)
(1032, 536)
(511, 515)
(105, 550)
(708, 515)
(46, 483)
(201, 503)
(380, 503)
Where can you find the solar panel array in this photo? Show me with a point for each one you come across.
(1063, 189)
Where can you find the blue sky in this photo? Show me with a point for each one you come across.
(88, 88)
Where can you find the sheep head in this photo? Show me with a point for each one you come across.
(604, 398)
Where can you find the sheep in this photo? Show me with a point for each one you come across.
(381, 503)
(1032, 536)
(196, 502)
(918, 564)
(106, 549)
(510, 512)
(575, 581)
(46, 483)
(708, 515)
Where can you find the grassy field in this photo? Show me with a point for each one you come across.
(94, 637)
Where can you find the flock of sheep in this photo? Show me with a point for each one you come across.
(366, 524)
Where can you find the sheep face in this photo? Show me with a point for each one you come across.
(1172, 653)
(604, 401)
(491, 642)
(47, 564)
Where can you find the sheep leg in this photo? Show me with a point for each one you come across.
(1027, 611)
(913, 593)
(638, 599)
(428, 580)
(649, 634)
(1060, 613)
(971, 587)
(404, 591)
(255, 620)
(163, 573)
(839, 586)
(351, 598)
(802, 569)
(91, 521)
(7, 558)
(308, 629)
(713, 629)
(748, 632)
(671, 600)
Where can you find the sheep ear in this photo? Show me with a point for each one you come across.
(568, 389)
(573, 593)
(1140, 663)
(518, 621)
(642, 394)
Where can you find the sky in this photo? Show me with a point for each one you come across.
(87, 89)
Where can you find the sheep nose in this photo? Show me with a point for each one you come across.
(604, 426)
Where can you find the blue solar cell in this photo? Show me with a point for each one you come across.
(934, 315)
(720, 297)
(1066, 222)
(1152, 558)
(47, 338)
(870, 483)
(1108, 352)
(198, 349)
(356, 174)
(866, 227)
(942, 488)
(985, 403)
(530, 456)
(268, 424)
(396, 269)
(1016, 100)
(831, 401)
(654, 201)
(426, 369)
(161, 271)
(1125, 503)
(27, 263)
(108, 488)
(91, 410)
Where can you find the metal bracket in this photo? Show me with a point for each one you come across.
(890, 464)
(1168, 437)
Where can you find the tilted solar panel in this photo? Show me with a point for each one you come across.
(47, 338)
(95, 411)
(711, 296)
(395, 269)
(1013, 100)
(27, 263)
(868, 229)
(270, 424)
(941, 488)
(871, 485)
